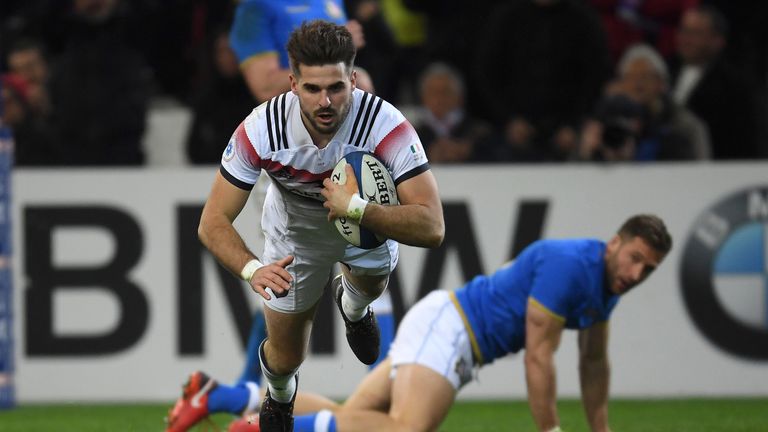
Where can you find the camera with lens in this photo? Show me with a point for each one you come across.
(619, 116)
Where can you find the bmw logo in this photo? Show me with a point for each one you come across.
(724, 273)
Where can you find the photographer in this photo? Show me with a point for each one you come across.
(637, 120)
(612, 134)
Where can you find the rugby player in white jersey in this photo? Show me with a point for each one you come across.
(296, 138)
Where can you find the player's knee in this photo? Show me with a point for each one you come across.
(285, 359)
(368, 285)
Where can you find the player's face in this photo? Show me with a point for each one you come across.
(325, 96)
(628, 262)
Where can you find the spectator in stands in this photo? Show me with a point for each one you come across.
(27, 59)
(728, 100)
(35, 141)
(610, 135)
(100, 89)
(629, 22)
(221, 103)
(637, 120)
(542, 65)
(409, 32)
(380, 46)
(747, 35)
(448, 133)
(453, 30)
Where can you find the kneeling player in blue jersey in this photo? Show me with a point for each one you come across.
(551, 286)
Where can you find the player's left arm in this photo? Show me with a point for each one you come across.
(417, 221)
(594, 373)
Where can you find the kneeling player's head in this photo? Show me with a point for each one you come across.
(635, 251)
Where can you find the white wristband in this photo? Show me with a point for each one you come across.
(356, 208)
(250, 268)
(555, 429)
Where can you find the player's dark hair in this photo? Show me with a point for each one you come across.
(318, 43)
(649, 228)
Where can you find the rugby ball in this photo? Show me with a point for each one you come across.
(374, 184)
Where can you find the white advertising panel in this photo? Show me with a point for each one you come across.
(116, 300)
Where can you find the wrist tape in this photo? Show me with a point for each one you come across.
(356, 208)
(249, 269)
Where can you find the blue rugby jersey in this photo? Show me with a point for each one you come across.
(263, 26)
(565, 278)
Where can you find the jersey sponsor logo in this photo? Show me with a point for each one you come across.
(229, 152)
(724, 273)
(306, 194)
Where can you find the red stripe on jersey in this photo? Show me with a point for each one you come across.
(303, 176)
(244, 144)
(402, 135)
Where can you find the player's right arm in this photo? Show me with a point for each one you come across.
(542, 337)
(217, 233)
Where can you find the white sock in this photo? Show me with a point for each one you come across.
(323, 420)
(281, 387)
(354, 304)
(282, 390)
(253, 397)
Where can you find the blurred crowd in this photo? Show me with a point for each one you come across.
(481, 81)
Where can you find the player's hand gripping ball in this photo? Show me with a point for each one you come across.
(374, 184)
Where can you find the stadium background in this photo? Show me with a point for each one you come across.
(76, 341)
(100, 232)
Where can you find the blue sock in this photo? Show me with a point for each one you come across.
(321, 421)
(386, 322)
(252, 369)
(228, 399)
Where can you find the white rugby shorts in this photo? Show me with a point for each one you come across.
(301, 228)
(432, 334)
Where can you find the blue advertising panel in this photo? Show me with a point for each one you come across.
(6, 280)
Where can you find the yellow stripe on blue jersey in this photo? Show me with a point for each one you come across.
(545, 309)
(472, 339)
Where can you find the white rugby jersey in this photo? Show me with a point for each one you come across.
(273, 139)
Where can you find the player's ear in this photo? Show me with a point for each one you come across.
(353, 79)
(614, 243)
(294, 83)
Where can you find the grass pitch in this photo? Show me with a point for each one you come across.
(676, 415)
